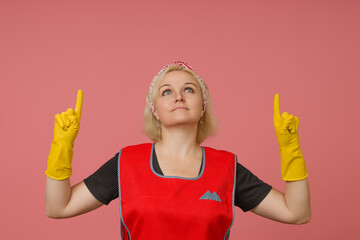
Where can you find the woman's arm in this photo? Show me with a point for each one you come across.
(64, 201)
(293, 207)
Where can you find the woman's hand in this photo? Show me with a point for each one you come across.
(286, 129)
(67, 124)
(286, 125)
(66, 128)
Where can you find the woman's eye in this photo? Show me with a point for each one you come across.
(189, 90)
(166, 92)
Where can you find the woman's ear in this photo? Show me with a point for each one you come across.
(156, 114)
(202, 111)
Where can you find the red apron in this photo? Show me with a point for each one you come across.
(158, 207)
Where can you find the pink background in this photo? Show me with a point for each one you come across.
(246, 51)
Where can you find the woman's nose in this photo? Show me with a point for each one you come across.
(179, 97)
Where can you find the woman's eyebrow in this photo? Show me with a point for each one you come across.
(163, 86)
(191, 83)
(170, 85)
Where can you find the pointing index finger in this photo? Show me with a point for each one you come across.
(79, 103)
(276, 106)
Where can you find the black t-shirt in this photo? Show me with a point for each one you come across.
(249, 189)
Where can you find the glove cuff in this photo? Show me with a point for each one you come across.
(293, 167)
(59, 161)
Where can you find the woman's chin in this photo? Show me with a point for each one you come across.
(180, 123)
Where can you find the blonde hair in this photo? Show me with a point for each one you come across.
(151, 128)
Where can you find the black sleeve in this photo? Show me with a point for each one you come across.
(249, 190)
(103, 184)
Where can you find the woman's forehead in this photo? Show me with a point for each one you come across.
(178, 77)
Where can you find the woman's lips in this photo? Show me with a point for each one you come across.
(179, 108)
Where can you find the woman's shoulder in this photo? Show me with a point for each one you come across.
(218, 149)
(215, 150)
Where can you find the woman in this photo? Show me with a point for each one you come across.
(174, 188)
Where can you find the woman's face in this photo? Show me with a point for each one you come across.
(179, 99)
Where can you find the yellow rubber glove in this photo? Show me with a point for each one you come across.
(66, 128)
(293, 166)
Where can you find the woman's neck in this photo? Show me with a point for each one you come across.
(178, 142)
